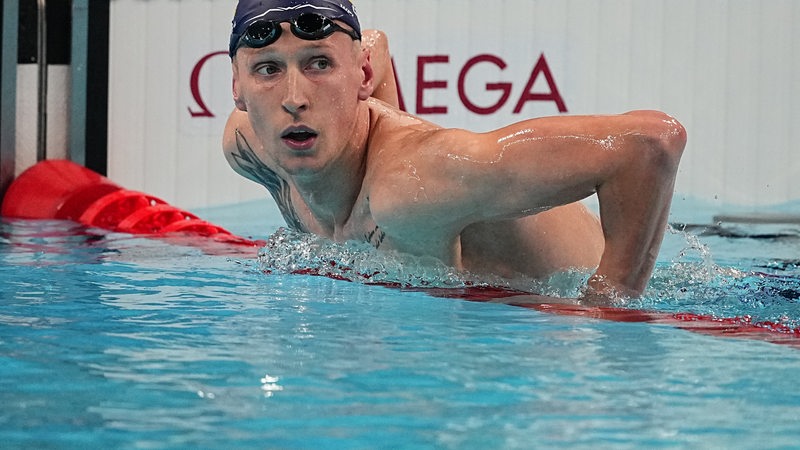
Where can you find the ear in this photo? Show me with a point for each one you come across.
(367, 85)
(237, 98)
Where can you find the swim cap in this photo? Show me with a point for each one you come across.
(248, 11)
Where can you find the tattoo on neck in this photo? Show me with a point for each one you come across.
(248, 161)
(375, 237)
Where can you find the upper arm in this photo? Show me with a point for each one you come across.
(459, 177)
(552, 161)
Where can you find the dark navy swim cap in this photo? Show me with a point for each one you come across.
(248, 11)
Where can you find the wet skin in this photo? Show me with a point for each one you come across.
(346, 166)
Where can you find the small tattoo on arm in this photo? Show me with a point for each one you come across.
(248, 161)
(375, 237)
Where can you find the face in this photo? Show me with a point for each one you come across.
(303, 97)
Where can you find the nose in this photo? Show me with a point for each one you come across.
(295, 99)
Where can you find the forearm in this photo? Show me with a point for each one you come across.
(634, 214)
(634, 209)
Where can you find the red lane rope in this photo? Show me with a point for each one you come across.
(61, 189)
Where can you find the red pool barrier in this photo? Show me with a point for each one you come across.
(60, 189)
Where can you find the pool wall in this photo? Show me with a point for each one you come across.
(728, 70)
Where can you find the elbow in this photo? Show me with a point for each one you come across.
(665, 136)
(672, 137)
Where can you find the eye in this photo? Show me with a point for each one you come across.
(320, 64)
(267, 69)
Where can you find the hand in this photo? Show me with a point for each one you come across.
(600, 291)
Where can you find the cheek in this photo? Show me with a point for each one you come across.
(263, 103)
(264, 118)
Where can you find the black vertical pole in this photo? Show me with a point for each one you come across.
(41, 62)
(9, 18)
(97, 87)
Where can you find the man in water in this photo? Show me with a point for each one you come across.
(311, 126)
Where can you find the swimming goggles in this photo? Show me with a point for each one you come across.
(307, 26)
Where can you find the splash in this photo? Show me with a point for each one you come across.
(692, 281)
(689, 281)
(288, 251)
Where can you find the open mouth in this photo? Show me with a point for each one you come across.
(299, 135)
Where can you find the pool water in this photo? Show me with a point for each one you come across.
(116, 341)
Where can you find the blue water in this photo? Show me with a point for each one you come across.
(114, 341)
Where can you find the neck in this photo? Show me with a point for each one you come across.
(332, 193)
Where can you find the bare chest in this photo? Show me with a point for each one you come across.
(359, 226)
(419, 240)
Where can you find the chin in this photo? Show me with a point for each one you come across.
(302, 166)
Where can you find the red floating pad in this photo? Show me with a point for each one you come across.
(194, 226)
(109, 211)
(54, 189)
(153, 219)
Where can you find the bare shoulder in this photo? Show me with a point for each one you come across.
(237, 142)
(242, 149)
(398, 135)
(237, 121)
(416, 170)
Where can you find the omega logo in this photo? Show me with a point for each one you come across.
(540, 70)
(194, 85)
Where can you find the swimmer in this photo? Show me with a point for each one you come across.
(316, 122)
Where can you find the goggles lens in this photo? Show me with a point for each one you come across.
(260, 34)
(308, 26)
(312, 26)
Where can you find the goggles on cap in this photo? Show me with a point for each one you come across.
(306, 26)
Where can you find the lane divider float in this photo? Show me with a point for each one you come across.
(63, 190)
